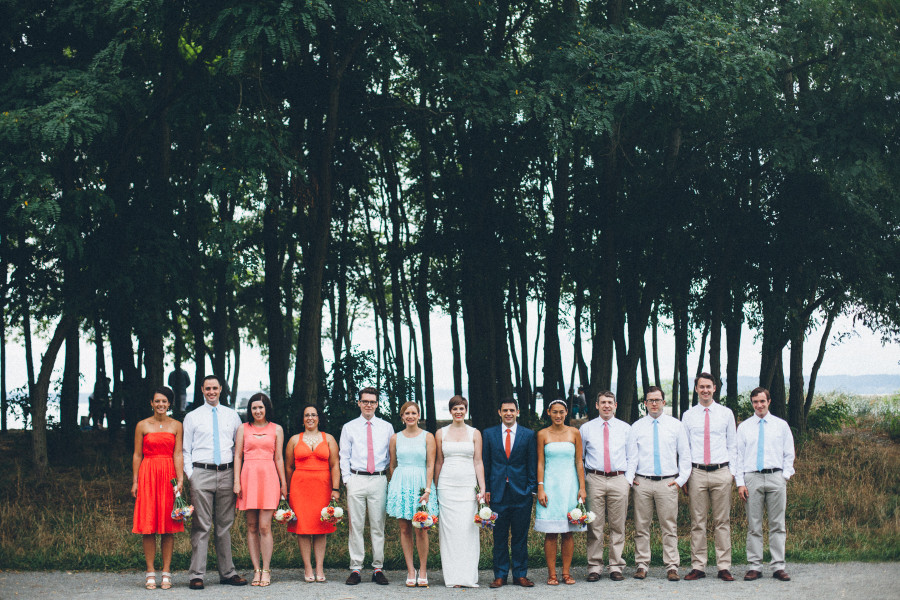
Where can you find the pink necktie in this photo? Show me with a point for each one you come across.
(706, 451)
(607, 464)
(370, 449)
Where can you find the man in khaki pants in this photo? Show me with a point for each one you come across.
(603, 442)
(711, 433)
(659, 462)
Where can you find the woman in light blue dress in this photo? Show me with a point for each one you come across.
(412, 469)
(560, 473)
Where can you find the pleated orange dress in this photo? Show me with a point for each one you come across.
(310, 488)
(260, 486)
(155, 498)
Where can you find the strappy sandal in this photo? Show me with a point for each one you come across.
(264, 578)
(421, 581)
(568, 579)
(257, 574)
(552, 580)
(411, 581)
(166, 580)
(150, 580)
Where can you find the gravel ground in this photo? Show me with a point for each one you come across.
(872, 581)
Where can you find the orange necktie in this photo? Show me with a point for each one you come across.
(508, 445)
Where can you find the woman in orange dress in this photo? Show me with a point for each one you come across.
(259, 480)
(314, 474)
(157, 460)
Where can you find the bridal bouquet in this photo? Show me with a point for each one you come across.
(580, 515)
(182, 510)
(423, 520)
(284, 514)
(332, 514)
(485, 517)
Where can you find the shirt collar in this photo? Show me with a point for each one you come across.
(513, 428)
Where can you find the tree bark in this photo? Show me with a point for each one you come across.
(833, 312)
(42, 388)
(715, 333)
(68, 397)
(455, 346)
(733, 325)
(273, 267)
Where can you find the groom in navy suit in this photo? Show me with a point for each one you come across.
(510, 475)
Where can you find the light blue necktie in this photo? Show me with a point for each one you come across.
(657, 467)
(217, 453)
(761, 447)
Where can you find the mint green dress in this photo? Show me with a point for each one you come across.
(408, 478)
(561, 487)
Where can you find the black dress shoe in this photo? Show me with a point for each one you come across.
(354, 578)
(752, 575)
(616, 576)
(379, 578)
(196, 584)
(592, 577)
(233, 580)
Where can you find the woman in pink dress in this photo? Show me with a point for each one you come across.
(259, 480)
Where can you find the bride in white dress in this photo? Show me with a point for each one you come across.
(457, 470)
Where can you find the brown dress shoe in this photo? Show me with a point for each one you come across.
(196, 584)
(672, 575)
(640, 574)
(616, 576)
(694, 575)
(752, 575)
(725, 575)
(233, 580)
(781, 575)
(593, 577)
(499, 582)
(524, 582)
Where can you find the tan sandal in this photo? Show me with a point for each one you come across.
(552, 580)
(568, 579)
(150, 580)
(264, 578)
(166, 580)
(257, 575)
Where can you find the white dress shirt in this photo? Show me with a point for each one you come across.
(778, 451)
(592, 444)
(722, 437)
(674, 450)
(353, 450)
(197, 443)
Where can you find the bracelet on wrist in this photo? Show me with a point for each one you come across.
(540, 483)
(335, 489)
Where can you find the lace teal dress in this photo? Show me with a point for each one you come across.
(408, 478)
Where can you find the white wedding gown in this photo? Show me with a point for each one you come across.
(460, 544)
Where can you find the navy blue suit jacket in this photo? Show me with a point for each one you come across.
(510, 481)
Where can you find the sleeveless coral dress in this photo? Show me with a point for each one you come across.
(155, 498)
(260, 486)
(310, 488)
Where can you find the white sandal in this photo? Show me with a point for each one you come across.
(150, 580)
(166, 580)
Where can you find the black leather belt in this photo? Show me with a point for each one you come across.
(212, 467)
(657, 477)
(767, 471)
(709, 467)
(604, 473)
(367, 474)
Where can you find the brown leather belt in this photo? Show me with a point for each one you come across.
(604, 473)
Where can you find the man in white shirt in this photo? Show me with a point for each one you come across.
(711, 433)
(604, 442)
(765, 462)
(659, 463)
(209, 434)
(364, 453)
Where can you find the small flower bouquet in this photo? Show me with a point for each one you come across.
(485, 517)
(423, 520)
(580, 515)
(332, 514)
(283, 514)
(182, 510)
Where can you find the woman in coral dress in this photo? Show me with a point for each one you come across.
(259, 480)
(314, 474)
(157, 461)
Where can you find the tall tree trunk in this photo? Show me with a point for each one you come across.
(733, 325)
(833, 312)
(715, 333)
(654, 344)
(4, 299)
(681, 318)
(68, 397)
(797, 393)
(526, 402)
(42, 388)
(517, 373)
(455, 346)
(645, 371)
(675, 385)
(579, 351)
(776, 389)
(101, 382)
(703, 337)
(273, 266)
(395, 260)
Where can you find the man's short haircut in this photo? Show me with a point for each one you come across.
(760, 390)
(580, 388)
(216, 377)
(654, 388)
(606, 394)
(267, 404)
(458, 400)
(368, 390)
(508, 400)
(705, 375)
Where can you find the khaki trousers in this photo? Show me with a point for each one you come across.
(665, 497)
(766, 492)
(212, 494)
(710, 489)
(608, 498)
(366, 493)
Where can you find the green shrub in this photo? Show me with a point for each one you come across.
(830, 416)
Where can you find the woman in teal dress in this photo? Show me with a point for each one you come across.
(560, 473)
(411, 470)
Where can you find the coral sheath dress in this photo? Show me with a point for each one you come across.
(310, 488)
(155, 498)
(260, 486)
